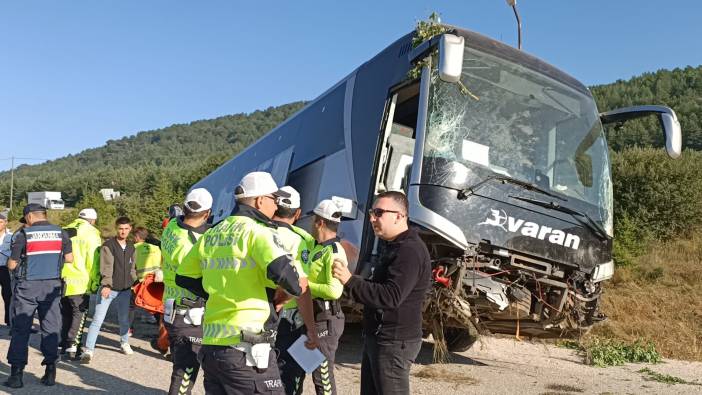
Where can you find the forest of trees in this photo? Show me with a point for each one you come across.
(153, 169)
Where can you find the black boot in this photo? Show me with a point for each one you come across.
(15, 379)
(49, 375)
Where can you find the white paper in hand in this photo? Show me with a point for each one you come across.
(308, 359)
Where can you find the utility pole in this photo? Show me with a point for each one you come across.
(12, 180)
(12, 174)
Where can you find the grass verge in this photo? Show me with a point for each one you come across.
(658, 299)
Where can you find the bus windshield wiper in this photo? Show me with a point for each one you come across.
(582, 217)
(464, 193)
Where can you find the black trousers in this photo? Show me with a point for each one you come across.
(292, 374)
(185, 342)
(226, 373)
(28, 297)
(74, 309)
(386, 365)
(6, 284)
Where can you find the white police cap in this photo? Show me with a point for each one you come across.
(292, 202)
(327, 209)
(198, 200)
(87, 213)
(258, 183)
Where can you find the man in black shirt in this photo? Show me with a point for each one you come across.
(392, 297)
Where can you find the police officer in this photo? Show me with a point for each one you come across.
(326, 291)
(295, 239)
(148, 255)
(147, 260)
(161, 343)
(38, 253)
(237, 265)
(77, 277)
(298, 243)
(184, 336)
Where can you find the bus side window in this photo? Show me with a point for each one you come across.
(399, 163)
(397, 151)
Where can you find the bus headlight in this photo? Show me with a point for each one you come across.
(603, 271)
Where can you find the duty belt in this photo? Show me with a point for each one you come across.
(192, 303)
(186, 304)
(257, 347)
(322, 306)
(181, 310)
(241, 346)
(226, 331)
(258, 338)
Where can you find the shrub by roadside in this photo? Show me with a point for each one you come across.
(655, 199)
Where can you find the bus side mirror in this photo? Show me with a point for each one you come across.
(451, 57)
(666, 116)
(673, 134)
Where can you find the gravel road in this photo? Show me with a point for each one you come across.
(492, 366)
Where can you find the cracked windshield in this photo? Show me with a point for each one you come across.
(506, 119)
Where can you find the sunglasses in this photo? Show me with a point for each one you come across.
(273, 198)
(378, 212)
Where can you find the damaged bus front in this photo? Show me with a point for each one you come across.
(511, 180)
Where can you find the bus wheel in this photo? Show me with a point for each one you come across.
(459, 339)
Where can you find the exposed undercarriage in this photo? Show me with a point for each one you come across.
(491, 290)
(488, 289)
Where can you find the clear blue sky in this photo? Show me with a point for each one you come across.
(74, 74)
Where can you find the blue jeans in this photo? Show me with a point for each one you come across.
(122, 298)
